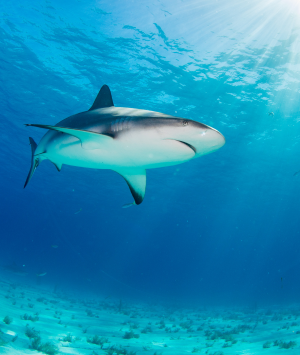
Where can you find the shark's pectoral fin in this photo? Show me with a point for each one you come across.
(89, 140)
(136, 180)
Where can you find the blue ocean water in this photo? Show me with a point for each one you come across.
(222, 229)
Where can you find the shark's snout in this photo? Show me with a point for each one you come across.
(208, 140)
(216, 138)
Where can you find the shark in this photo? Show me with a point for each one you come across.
(126, 140)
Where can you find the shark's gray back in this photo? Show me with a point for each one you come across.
(111, 119)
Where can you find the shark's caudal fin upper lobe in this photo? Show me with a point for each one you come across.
(34, 161)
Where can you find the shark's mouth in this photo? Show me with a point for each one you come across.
(190, 146)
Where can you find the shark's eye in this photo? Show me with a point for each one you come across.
(184, 122)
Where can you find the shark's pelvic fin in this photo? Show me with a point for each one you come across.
(103, 99)
(136, 180)
(89, 140)
(34, 161)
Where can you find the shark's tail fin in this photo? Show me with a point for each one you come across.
(34, 161)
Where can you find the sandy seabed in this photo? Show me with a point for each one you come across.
(34, 319)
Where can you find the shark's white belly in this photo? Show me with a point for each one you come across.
(122, 152)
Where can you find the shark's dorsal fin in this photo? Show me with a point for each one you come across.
(136, 181)
(103, 99)
(89, 140)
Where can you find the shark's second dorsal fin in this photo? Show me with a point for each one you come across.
(103, 99)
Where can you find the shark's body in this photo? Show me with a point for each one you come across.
(125, 140)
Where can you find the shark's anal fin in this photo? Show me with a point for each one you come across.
(57, 165)
(103, 99)
(89, 140)
(136, 181)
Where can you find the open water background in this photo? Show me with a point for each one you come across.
(220, 229)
